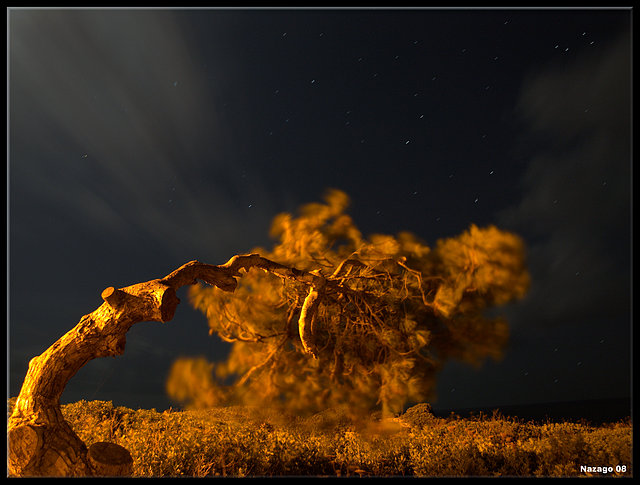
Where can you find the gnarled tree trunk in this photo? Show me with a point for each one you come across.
(41, 442)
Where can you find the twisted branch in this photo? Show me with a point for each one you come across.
(41, 442)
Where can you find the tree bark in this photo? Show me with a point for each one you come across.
(41, 442)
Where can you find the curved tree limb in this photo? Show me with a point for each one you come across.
(41, 442)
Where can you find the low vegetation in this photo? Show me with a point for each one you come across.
(245, 441)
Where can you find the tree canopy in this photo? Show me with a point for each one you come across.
(387, 313)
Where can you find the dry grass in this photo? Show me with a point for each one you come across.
(240, 441)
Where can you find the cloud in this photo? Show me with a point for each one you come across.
(122, 166)
(120, 103)
(575, 209)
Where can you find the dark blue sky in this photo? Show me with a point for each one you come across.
(142, 139)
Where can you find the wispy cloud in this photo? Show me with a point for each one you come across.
(575, 208)
(122, 105)
(122, 165)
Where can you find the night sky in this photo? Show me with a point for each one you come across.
(143, 139)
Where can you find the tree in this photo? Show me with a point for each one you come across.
(375, 320)
(370, 325)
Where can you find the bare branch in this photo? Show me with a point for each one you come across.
(37, 430)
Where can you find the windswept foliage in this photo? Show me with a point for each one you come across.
(375, 337)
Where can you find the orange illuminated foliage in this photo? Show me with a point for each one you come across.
(394, 313)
